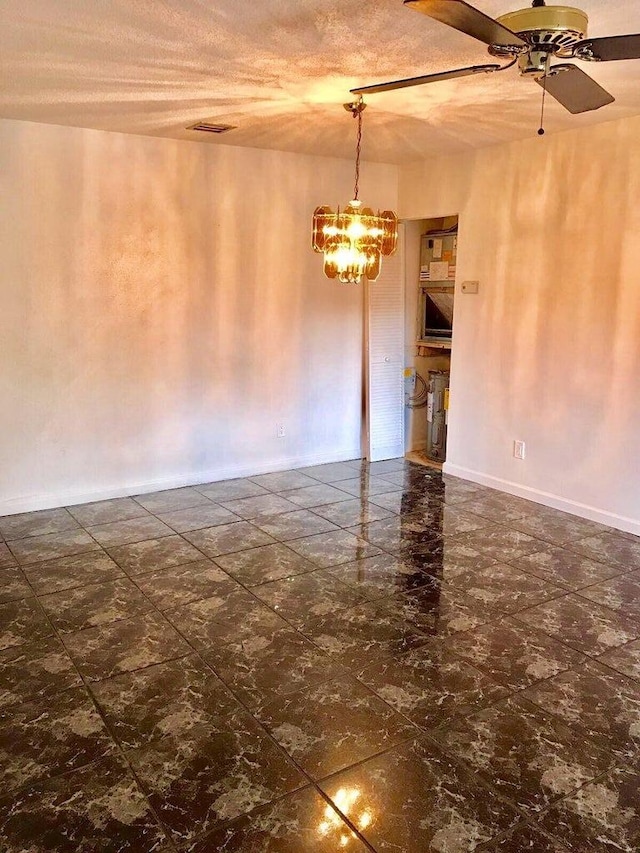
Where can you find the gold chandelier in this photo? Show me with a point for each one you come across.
(353, 240)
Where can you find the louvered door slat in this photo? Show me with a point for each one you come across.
(385, 397)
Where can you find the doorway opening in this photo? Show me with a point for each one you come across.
(431, 248)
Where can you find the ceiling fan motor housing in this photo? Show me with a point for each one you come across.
(549, 30)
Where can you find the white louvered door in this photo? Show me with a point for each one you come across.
(385, 359)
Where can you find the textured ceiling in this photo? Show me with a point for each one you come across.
(280, 70)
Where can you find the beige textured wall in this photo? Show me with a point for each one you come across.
(161, 311)
(549, 351)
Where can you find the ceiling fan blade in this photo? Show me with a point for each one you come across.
(426, 78)
(608, 49)
(574, 89)
(467, 19)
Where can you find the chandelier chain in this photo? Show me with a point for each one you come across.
(358, 114)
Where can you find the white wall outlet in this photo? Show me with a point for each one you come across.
(470, 286)
(519, 449)
(280, 430)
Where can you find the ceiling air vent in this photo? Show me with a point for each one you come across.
(209, 127)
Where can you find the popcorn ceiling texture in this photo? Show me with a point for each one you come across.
(280, 69)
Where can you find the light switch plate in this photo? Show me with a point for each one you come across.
(519, 449)
(470, 286)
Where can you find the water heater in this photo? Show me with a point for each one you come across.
(437, 411)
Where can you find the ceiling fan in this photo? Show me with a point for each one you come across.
(532, 38)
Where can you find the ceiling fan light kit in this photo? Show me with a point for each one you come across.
(532, 38)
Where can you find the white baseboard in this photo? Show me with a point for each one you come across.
(30, 503)
(620, 522)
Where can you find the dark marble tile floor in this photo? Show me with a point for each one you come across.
(348, 657)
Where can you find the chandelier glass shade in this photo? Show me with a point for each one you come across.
(353, 240)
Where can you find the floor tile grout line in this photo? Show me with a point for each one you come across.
(563, 642)
(536, 509)
(248, 589)
(143, 512)
(309, 786)
(572, 668)
(60, 556)
(75, 528)
(169, 509)
(574, 728)
(143, 668)
(470, 769)
(110, 734)
(67, 508)
(583, 597)
(519, 692)
(577, 590)
(512, 693)
(320, 568)
(103, 548)
(115, 740)
(24, 579)
(457, 760)
(514, 615)
(526, 822)
(487, 784)
(499, 523)
(199, 651)
(281, 543)
(311, 781)
(521, 625)
(123, 576)
(349, 669)
(613, 532)
(248, 710)
(563, 592)
(508, 524)
(128, 617)
(407, 467)
(265, 604)
(253, 548)
(634, 679)
(420, 730)
(365, 842)
(533, 819)
(441, 642)
(572, 725)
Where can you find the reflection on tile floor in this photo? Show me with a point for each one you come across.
(345, 657)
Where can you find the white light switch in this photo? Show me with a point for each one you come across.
(470, 286)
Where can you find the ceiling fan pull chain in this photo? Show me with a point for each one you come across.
(544, 95)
